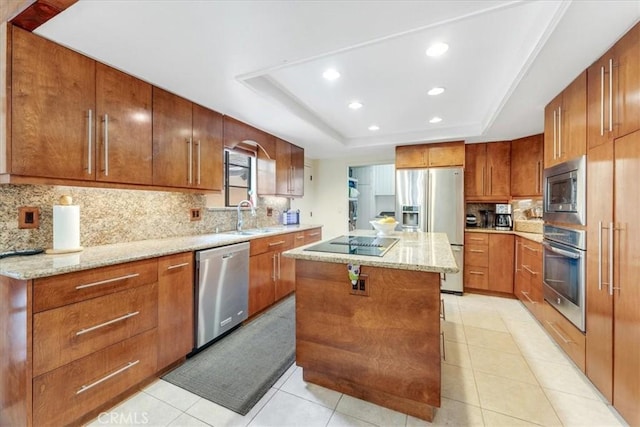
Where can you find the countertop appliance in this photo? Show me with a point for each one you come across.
(356, 245)
(471, 221)
(565, 192)
(221, 291)
(502, 218)
(438, 195)
(563, 272)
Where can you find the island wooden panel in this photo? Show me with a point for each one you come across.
(384, 347)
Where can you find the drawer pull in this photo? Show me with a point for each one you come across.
(526, 295)
(102, 325)
(104, 282)
(529, 270)
(111, 375)
(479, 239)
(566, 341)
(317, 233)
(476, 250)
(530, 248)
(171, 267)
(281, 242)
(299, 237)
(477, 272)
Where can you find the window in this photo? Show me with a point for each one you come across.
(239, 179)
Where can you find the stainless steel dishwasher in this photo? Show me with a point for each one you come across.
(222, 290)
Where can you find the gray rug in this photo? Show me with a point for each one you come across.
(239, 369)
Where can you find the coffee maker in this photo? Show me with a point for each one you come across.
(502, 218)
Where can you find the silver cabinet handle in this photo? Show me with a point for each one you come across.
(103, 282)
(602, 101)
(610, 94)
(317, 233)
(111, 375)
(561, 251)
(476, 250)
(477, 239)
(273, 267)
(477, 272)
(279, 269)
(184, 264)
(107, 323)
(516, 256)
(229, 255)
(526, 267)
(106, 145)
(299, 237)
(483, 174)
(599, 255)
(526, 295)
(555, 126)
(562, 337)
(529, 248)
(199, 160)
(280, 242)
(538, 177)
(491, 180)
(90, 142)
(190, 148)
(611, 258)
(559, 132)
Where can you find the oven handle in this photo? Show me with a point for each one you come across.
(561, 251)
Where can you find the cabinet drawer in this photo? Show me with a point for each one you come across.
(279, 242)
(476, 255)
(313, 235)
(568, 337)
(476, 239)
(476, 277)
(57, 291)
(67, 333)
(69, 392)
(298, 238)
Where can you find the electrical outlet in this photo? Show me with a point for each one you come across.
(28, 217)
(361, 287)
(196, 214)
(269, 211)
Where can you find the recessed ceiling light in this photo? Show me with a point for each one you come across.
(374, 127)
(331, 74)
(437, 49)
(354, 105)
(435, 120)
(436, 91)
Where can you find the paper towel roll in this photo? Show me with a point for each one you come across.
(66, 227)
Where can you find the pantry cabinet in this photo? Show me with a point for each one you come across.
(187, 143)
(430, 155)
(613, 297)
(488, 262)
(527, 166)
(487, 175)
(289, 169)
(565, 123)
(613, 83)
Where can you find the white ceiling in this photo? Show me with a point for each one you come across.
(262, 62)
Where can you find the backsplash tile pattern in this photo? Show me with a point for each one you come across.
(113, 216)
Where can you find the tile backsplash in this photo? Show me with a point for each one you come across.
(114, 216)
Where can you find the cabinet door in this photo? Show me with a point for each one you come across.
(286, 282)
(411, 156)
(123, 114)
(526, 166)
(175, 307)
(172, 140)
(626, 83)
(626, 294)
(599, 308)
(446, 154)
(552, 131)
(207, 169)
(573, 141)
(283, 167)
(52, 110)
(501, 263)
(474, 173)
(262, 269)
(297, 171)
(498, 169)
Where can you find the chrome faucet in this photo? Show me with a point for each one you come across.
(240, 219)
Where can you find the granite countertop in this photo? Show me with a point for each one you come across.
(417, 251)
(531, 236)
(35, 266)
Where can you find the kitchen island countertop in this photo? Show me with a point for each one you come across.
(36, 266)
(417, 251)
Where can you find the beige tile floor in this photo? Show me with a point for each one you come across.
(501, 369)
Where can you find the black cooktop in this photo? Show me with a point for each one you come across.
(356, 245)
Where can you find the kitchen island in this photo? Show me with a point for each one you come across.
(377, 339)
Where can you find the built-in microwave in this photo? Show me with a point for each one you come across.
(565, 192)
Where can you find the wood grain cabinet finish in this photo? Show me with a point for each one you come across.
(488, 262)
(487, 175)
(527, 285)
(565, 123)
(175, 307)
(289, 169)
(430, 155)
(187, 143)
(568, 337)
(53, 92)
(613, 83)
(527, 166)
(613, 297)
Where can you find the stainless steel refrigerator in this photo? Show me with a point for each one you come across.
(432, 200)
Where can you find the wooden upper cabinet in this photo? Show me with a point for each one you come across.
(430, 155)
(123, 115)
(52, 110)
(613, 83)
(565, 123)
(187, 143)
(289, 169)
(487, 173)
(207, 169)
(527, 166)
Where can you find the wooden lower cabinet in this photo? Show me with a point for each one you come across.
(528, 275)
(488, 262)
(568, 337)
